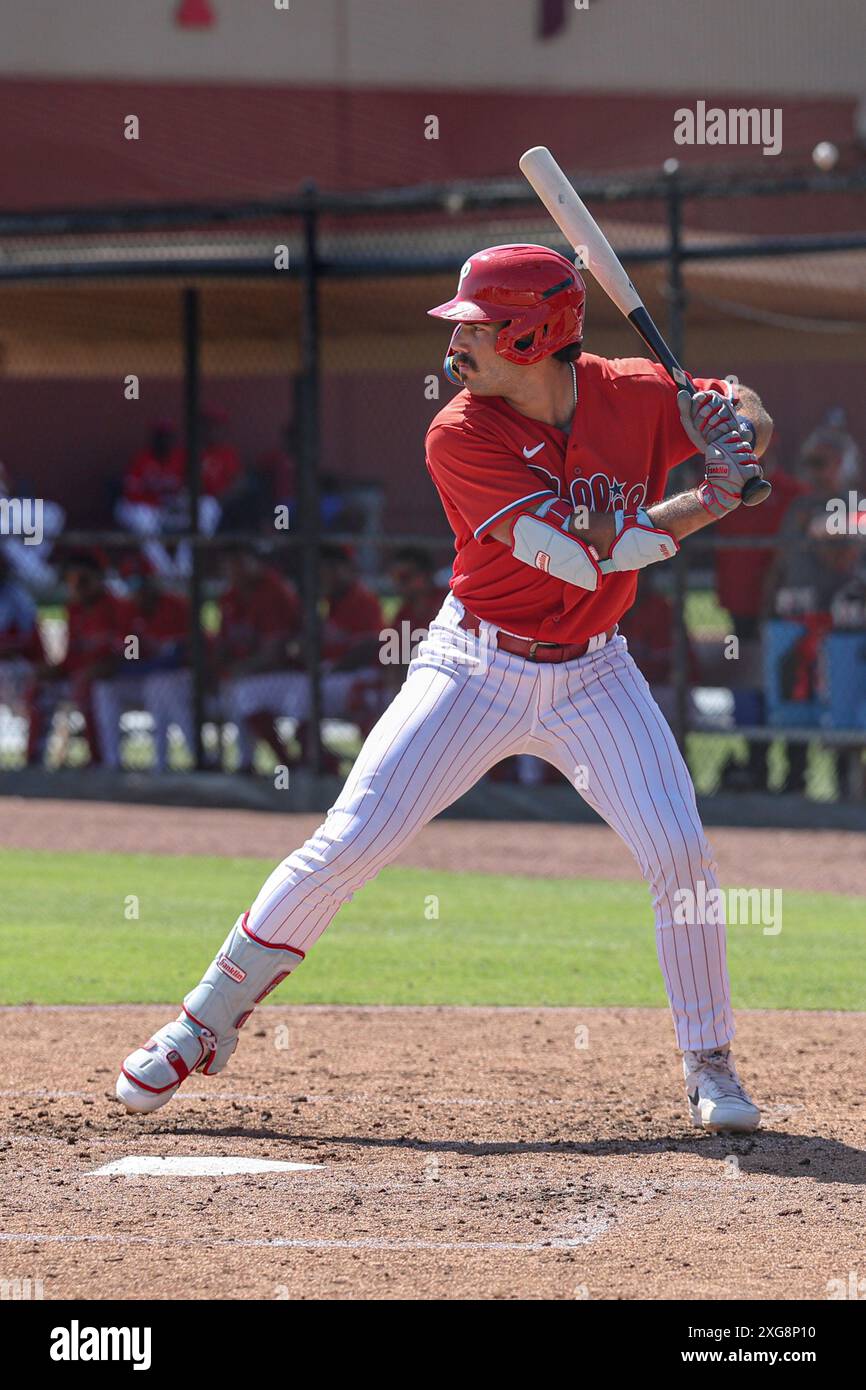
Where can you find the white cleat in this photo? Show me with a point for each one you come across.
(717, 1099)
(150, 1076)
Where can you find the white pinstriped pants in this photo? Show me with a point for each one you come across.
(464, 707)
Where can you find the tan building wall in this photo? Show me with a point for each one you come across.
(758, 46)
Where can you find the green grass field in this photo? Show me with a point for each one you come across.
(69, 934)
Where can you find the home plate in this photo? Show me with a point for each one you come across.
(152, 1166)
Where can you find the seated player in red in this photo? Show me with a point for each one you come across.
(220, 460)
(260, 623)
(98, 624)
(155, 474)
(349, 653)
(412, 572)
(154, 676)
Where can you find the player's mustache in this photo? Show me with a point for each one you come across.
(453, 362)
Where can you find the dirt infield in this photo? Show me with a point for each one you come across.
(818, 861)
(461, 1153)
(464, 1153)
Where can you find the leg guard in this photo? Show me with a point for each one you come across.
(205, 1035)
(244, 972)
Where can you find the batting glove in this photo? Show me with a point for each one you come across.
(729, 464)
(708, 416)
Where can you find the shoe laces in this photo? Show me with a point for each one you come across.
(716, 1070)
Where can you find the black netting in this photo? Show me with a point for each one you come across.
(240, 616)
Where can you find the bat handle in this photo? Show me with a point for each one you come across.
(756, 491)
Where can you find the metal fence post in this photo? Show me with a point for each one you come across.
(310, 516)
(676, 337)
(191, 410)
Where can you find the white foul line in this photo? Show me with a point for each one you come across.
(324, 1098)
(595, 1229)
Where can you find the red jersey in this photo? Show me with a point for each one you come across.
(154, 481)
(164, 625)
(220, 468)
(97, 630)
(278, 466)
(352, 616)
(270, 609)
(419, 612)
(487, 460)
(740, 574)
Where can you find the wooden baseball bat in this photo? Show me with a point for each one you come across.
(580, 228)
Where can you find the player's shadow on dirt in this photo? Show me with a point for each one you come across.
(772, 1152)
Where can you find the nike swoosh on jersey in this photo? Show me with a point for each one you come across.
(530, 453)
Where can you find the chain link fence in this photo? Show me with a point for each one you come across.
(219, 543)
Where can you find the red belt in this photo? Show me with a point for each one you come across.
(529, 648)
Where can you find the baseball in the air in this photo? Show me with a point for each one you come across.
(825, 155)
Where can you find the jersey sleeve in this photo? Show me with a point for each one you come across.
(481, 478)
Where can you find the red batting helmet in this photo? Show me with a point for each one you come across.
(538, 291)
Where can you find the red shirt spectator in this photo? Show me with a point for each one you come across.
(350, 632)
(259, 612)
(167, 620)
(420, 610)
(161, 622)
(353, 614)
(220, 460)
(97, 624)
(411, 572)
(741, 574)
(156, 473)
(220, 469)
(279, 467)
(97, 630)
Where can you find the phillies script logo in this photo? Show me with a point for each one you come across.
(603, 494)
(598, 493)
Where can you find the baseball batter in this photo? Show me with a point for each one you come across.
(551, 465)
